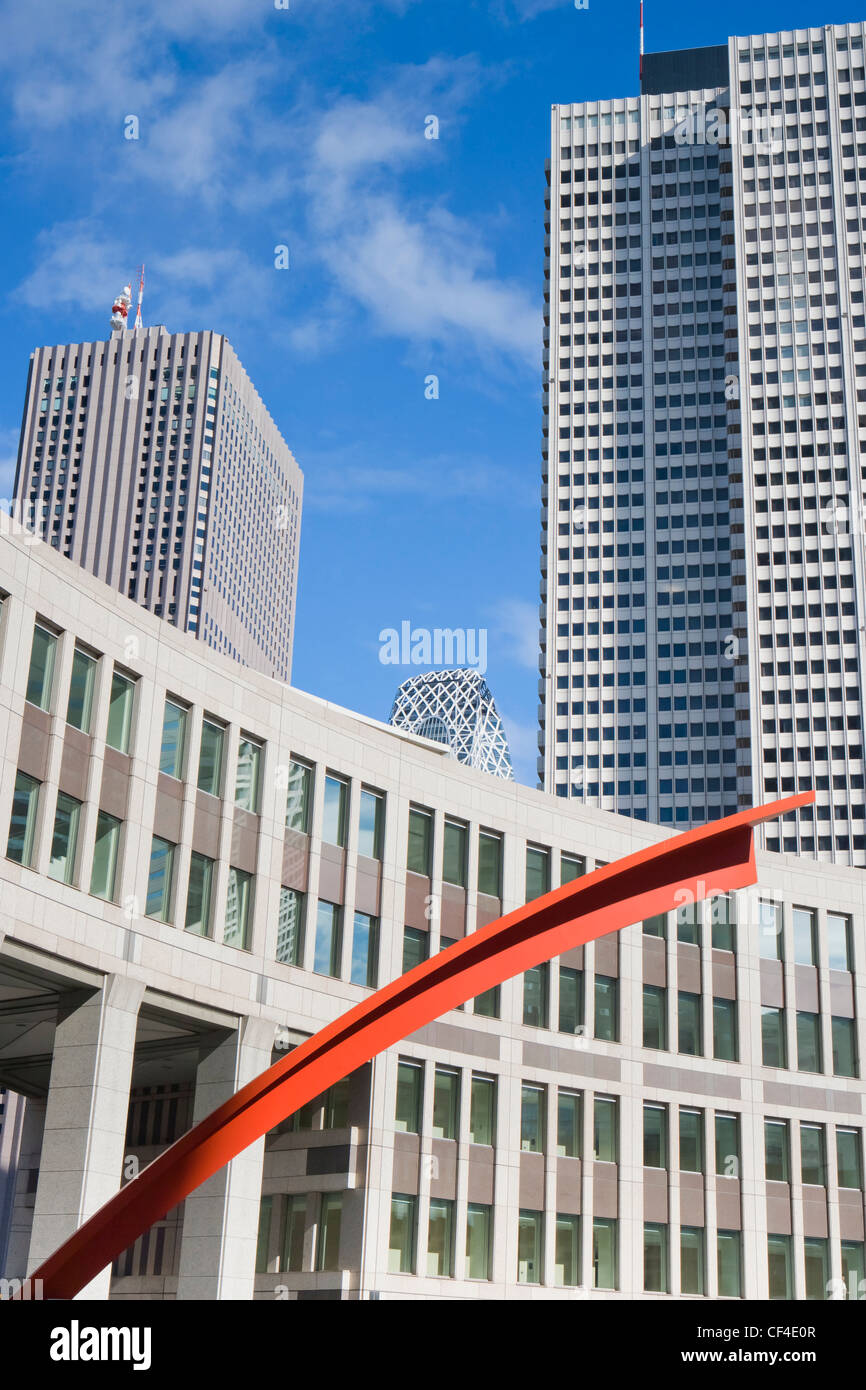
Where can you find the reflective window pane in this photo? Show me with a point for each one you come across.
(210, 761)
(81, 684)
(105, 851)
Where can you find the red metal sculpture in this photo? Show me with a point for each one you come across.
(714, 858)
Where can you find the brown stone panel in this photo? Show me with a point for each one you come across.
(688, 967)
(453, 921)
(724, 975)
(604, 1189)
(809, 1098)
(33, 748)
(573, 959)
(841, 994)
(568, 1171)
(580, 1061)
(814, 1211)
(417, 896)
(407, 1149)
(851, 1222)
(772, 984)
(443, 1178)
(114, 793)
(332, 874)
(807, 988)
(694, 1083)
(654, 961)
(607, 955)
(169, 805)
(487, 910)
(655, 1194)
(368, 886)
(692, 1205)
(728, 1212)
(74, 764)
(480, 1173)
(296, 860)
(206, 826)
(532, 1181)
(778, 1208)
(449, 1038)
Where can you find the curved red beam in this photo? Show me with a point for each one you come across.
(714, 858)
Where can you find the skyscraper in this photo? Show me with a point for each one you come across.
(703, 564)
(457, 708)
(151, 461)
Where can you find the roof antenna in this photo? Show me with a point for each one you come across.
(140, 298)
(640, 69)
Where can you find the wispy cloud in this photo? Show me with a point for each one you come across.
(333, 482)
(515, 625)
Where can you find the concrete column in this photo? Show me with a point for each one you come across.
(85, 1116)
(221, 1218)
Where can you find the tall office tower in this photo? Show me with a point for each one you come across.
(703, 588)
(151, 460)
(456, 707)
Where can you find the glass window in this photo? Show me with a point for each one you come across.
(605, 1139)
(173, 740)
(770, 930)
(420, 838)
(238, 909)
(570, 1000)
(64, 840)
(489, 864)
(530, 1258)
(401, 1245)
(692, 1259)
(81, 683)
(779, 1261)
(290, 927)
(409, 1082)
(416, 947)
(844, 1046)
(486, 1005)
(571, 866)
(805, 943)
(773, 1042)
(532, 1107)
(454, 853)
(337, 1105)
(446, 1103)
(776, 1151)
(440, 1238)
(656, 926)
(854, 1268)
(728, 1146)
(478, 1249)
(40, 676)
(537, 872)
(105, 851)
(120, 712)
(655, 1257)
(604, 1252)
(691, 1141)
(606, 1019)
(334, 811)
(722, 919)
(838, 941)
(817, 1267)
(808, 1042)
(568, 1124)
(371, 820)
(728, 1264)
(566, 1267)
(264, 1236)
(725, 1045)
(689, 1030)
(328, 940)
(330, 1221)
(248, 775)
(365, 950)
(655, 1136)
(689, 924)
(814, 1165)
(295, 1220)
(159, 880)
(198, 897)
(298, 797)
(655, 1022)
(482, 1111)
(22, 826)
(536, 996)
(210, 760)
(848, 1158)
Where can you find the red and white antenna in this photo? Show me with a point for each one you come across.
(640, 69)
(140, 298)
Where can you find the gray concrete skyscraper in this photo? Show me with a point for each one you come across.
(151, 461)
(703, 592)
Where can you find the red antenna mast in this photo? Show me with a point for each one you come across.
(141, 297)
(640, 69)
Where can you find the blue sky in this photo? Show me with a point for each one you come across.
(409, 257)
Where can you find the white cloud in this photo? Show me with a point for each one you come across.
(516, 629)
(523, 744)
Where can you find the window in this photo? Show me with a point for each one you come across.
(568, 1124)
(530, 1257)
(570, 1000)
(817, 1270)
(40, 676)
(844, 1046)
(198, 897)
(489, 864)
(264, 1236)
(727, 1145)
(238, 909)
(770, 930)
(248, 775)
(605, 1139)
(454, 853)
(604, 1252)
(337, 1105)
(159, 881)
(416, 947)
(64, 840)
(173, 740)
(848, 1158)
(689, 924)
(776, 1151)
(839, 941)
(808, 1042)
(537, 872)
(487, 1004)
(22, 826)
(298, 798)
(655, 1023)
(446, 1103)
(805, 943)
(779, 1262)
(371, 820)
(567, 1254)
(689, 1029)
(330, 1220)
(295, 1220)
(655, 1136)
(854, 1268)
(104, 870)
(401, 1245)
(482, 1110)
(328, 944)
(440, 1238)
(655, 1257)
(532, 1107)
(691, 1141)
(722, 920)
(571, 866)
(290, 927)
(478, 1248)
(120, 712)
(365, 950)
(728, 1262)
(410, 1078)
(334, 811)
(814, 1165)
(656, 926)
(774, 1046)
(535, 996)
(725, 1045)
(692, 1259)
(210, 760)
(420, 837)
(81, 683)
(606, 1022)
